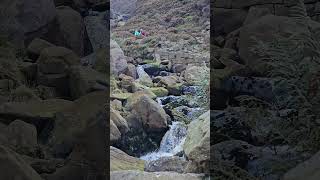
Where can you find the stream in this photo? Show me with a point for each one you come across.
(173, 140)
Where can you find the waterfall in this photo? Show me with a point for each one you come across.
(171, 143)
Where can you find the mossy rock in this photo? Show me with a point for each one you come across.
(160, 91)
(175, 89)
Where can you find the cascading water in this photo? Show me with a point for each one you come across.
(171, 143)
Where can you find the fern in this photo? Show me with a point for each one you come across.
(295, 65)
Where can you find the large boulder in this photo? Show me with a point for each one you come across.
(14, 167)
(140, 175)
(151, 114)
(23, 20)
(197, 143)
(119, 160)
(70, 32)
(117, 59)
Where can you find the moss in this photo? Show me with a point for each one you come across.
(159, 91)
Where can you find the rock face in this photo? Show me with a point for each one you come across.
(197, 143)
(139, 175)
(15, 167)
(119, 160)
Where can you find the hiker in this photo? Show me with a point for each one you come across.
(137, 33)
(143, 33)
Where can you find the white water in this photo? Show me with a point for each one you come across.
(171, 143)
